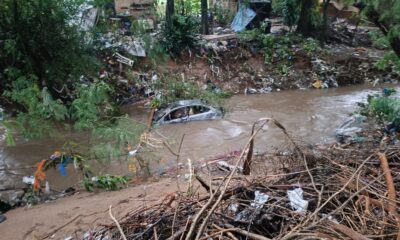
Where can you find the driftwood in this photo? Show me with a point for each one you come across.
(348, 195)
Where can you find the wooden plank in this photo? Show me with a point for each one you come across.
(219, 37)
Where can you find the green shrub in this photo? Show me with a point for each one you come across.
(92, 104)
(385, 107)
(40, 110)
(174, 89)
(107, 181)
(389, 60)
(181, 35)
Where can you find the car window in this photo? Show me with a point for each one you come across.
(177, 113)
(198, 109)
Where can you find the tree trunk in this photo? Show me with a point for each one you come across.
(204, 17)
(169, 13)
(305, 25)
(384, 26)
(325, 21)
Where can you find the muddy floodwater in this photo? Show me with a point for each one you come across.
(310, 115)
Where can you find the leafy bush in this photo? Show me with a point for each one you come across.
(385, 107)
(379, 40)
(291, 11)
(38, 39)
(112, 139)
(222, 16)
(311, 45)
(174, 89)
(107, 181)
(389, 60)
(181, 34)
(40, 110)
(91, 105)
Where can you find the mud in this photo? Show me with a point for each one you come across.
(312, 115)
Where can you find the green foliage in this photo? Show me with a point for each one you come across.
(181, 35)
(280, 49)
(277, 7)
(174, 89)
(291, 11)
(250, 35)
(222, 16)
(389, 60)
(91, 105)
(187, 7)
(41, 111)
(155, 50)
(31, 197)
(107, 181)
(379, 40)
(276, 48)
(311, 45)
(385, 107)
(112, 139)
(37, 39)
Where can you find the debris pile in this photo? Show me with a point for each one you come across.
(118, 41)
(332, 193)
(341, 31)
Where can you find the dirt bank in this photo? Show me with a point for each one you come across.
(74, 216)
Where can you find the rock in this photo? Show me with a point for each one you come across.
(2, 218)
(12, 197)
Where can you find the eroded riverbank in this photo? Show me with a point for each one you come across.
(310, 115)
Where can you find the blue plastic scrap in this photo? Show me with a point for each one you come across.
(62, 170)
(242, 19)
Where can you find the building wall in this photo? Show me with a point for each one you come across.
(134, 8)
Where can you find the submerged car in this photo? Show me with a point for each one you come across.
(185, 111)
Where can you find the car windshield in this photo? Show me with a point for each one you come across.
(177, 113)
(198, 109)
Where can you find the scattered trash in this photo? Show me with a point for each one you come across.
(136, 48)
(326, 74)
(296, 200)
(89, 17)
(228, 167)
(123, 59)
(2, 218)
(47, 188)
(259, 199)
(234, 207)
(350, 128)
(28, 180)
(243, 17)
(317, 84)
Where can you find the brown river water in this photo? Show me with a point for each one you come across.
(309, 115)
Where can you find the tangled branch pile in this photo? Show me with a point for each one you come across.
(346, 192)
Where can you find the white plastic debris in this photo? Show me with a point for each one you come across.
(47, 189)
(259, 199)
(1, 114)
(233, 207)
(297, 201)
(258, 202)
(227, 166)
(132, 153)
(28, 180)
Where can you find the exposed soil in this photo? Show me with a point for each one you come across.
(77, 214)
